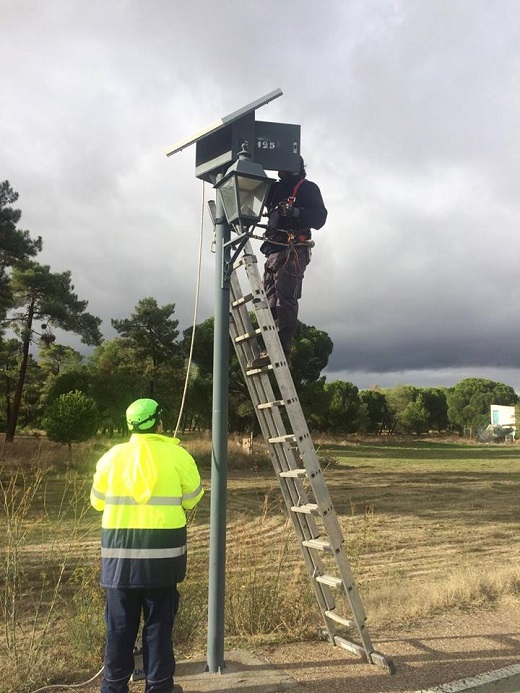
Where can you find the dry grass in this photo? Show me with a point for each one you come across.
(429, 527)
(444, 527)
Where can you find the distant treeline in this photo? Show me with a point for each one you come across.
(149, 358)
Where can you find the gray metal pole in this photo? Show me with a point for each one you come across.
(219, 449)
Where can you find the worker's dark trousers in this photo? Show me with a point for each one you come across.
(283, 278)
(123, 614)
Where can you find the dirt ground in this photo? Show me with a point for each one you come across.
(443, 650)
(446, 649)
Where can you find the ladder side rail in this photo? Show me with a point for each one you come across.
(350, 586)
(329, 517)
(305, 526)
(308, 454)
(290, 397)
(260, 389)
(259, 383)
(273, 345)
(270, 418)
(282, 456)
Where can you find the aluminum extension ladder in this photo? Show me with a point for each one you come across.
(296, 464)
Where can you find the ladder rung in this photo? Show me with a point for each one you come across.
(318, 544)
(329, 580)
(263, 369)
(270, 405)
(247, 335)
(294, 474)
(340, 619)
(289, 437)
(350, 646)
(240, 301)
(307, 508)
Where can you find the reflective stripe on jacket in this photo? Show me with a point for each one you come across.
(143, 488)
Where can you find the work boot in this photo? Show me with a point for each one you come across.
(260, 361)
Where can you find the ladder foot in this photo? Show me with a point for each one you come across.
(386, 663)
(323, 635)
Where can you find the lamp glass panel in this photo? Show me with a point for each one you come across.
(229, 200)
(251, 195)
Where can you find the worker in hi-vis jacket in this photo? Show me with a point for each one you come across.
(143, 487)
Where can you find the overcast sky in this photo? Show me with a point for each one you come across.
(410, 117)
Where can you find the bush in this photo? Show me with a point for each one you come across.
(71, 418)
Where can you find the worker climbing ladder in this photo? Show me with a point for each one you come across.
(296, 464)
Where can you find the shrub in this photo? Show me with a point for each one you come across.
(72, 417)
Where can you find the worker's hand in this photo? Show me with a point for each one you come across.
(287, 210)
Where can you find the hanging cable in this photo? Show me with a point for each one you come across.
(197, 292)
(67, 686)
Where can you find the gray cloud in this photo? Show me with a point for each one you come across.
(410, 116)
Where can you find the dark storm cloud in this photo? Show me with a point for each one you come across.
(410, 115)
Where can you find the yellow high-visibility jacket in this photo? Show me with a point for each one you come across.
(143, 488)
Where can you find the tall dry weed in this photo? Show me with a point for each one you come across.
(467, 587)
(38, 552)
(267, 588)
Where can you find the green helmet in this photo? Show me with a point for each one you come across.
(142, 414)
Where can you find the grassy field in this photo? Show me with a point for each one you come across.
(429, 527)
(440, 524)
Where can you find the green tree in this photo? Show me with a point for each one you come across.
(55, 359)
(198, 404)
(15, 245)
(10, 351)
(343, 407)
(30, 411)
(469, 401)
(406, 416)
(78, 379)
(434, 399)
(72, 418)
(151, 333)
(414, 417)
(202, 346)
(117, 381)
(310, 354)
(375, 415)
(47, 297)
(314, 399)
(119, 377)
(10, 354)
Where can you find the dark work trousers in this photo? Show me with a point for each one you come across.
(123, 615)
(283, 278)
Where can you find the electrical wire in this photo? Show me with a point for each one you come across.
(68, 685)
(195, 309)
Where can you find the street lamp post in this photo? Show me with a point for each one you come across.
(241, 194)
(240, 199)
(217, 525)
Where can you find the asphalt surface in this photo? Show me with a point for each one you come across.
(505, 680)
